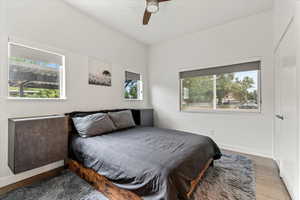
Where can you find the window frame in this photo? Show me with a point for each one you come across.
(223, 111)
(42, 48)
(140, 87)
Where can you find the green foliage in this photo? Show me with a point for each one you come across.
(48, 93)
(126, 94)
(201, 88)
(131, 89)
(35, 92)
(225, 85)
(241, 88)
(133, 92)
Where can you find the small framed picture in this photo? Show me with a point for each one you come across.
(100, 73)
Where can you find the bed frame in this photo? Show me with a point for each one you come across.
(112, 192)
(105, 186)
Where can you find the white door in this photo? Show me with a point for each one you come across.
(286, 127)
(278, 113)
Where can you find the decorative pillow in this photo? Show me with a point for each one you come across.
(92, 125)
(122, 119)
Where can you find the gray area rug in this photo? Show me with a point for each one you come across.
(232, 178)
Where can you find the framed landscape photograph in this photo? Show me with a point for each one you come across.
(100, 73)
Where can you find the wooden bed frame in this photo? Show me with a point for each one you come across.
(110, 190)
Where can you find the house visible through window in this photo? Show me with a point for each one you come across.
(228, 88)
(133, 86)
(35, 73)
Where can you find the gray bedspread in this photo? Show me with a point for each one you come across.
(157, 164)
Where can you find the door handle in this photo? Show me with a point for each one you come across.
(280, 117)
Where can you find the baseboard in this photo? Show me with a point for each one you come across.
(244, 150)
(31, 180)
(14, 178)
(286, 185)
(289, 189)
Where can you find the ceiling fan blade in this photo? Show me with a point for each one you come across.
(163, 0)
(147, 16)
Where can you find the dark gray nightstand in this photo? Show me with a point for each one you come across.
(36, 141)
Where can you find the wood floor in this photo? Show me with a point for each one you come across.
(269, 185)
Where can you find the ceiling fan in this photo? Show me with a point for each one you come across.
(152, 6)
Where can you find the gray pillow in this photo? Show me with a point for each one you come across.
(92, 125)
(122, 119)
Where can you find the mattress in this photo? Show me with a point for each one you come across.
(154, 163)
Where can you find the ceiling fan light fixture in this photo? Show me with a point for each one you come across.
(152, 6)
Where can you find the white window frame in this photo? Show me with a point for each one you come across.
(215, 110)
(38, 47)
(140, 88)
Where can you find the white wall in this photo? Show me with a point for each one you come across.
(2, 52)
(54, 24)
(284, 11)
(297, 22)
(235, 42)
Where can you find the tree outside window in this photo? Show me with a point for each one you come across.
(34, 73)
(133, 86)
(234, 91)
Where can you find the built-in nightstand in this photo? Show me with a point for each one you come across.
(36, 141)
(146, 117)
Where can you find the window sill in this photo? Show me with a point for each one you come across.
(223, 112)
(134, 99)
(36, 99)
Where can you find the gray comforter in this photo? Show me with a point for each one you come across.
(157, 164)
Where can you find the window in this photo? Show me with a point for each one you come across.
(228, 88)
(35, 73)
(133, 86)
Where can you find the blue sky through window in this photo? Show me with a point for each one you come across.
(251, 74)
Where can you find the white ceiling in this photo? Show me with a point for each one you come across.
(175, 18)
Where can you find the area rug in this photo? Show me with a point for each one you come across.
(232, 178)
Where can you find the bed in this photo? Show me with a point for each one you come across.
(143, 162)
